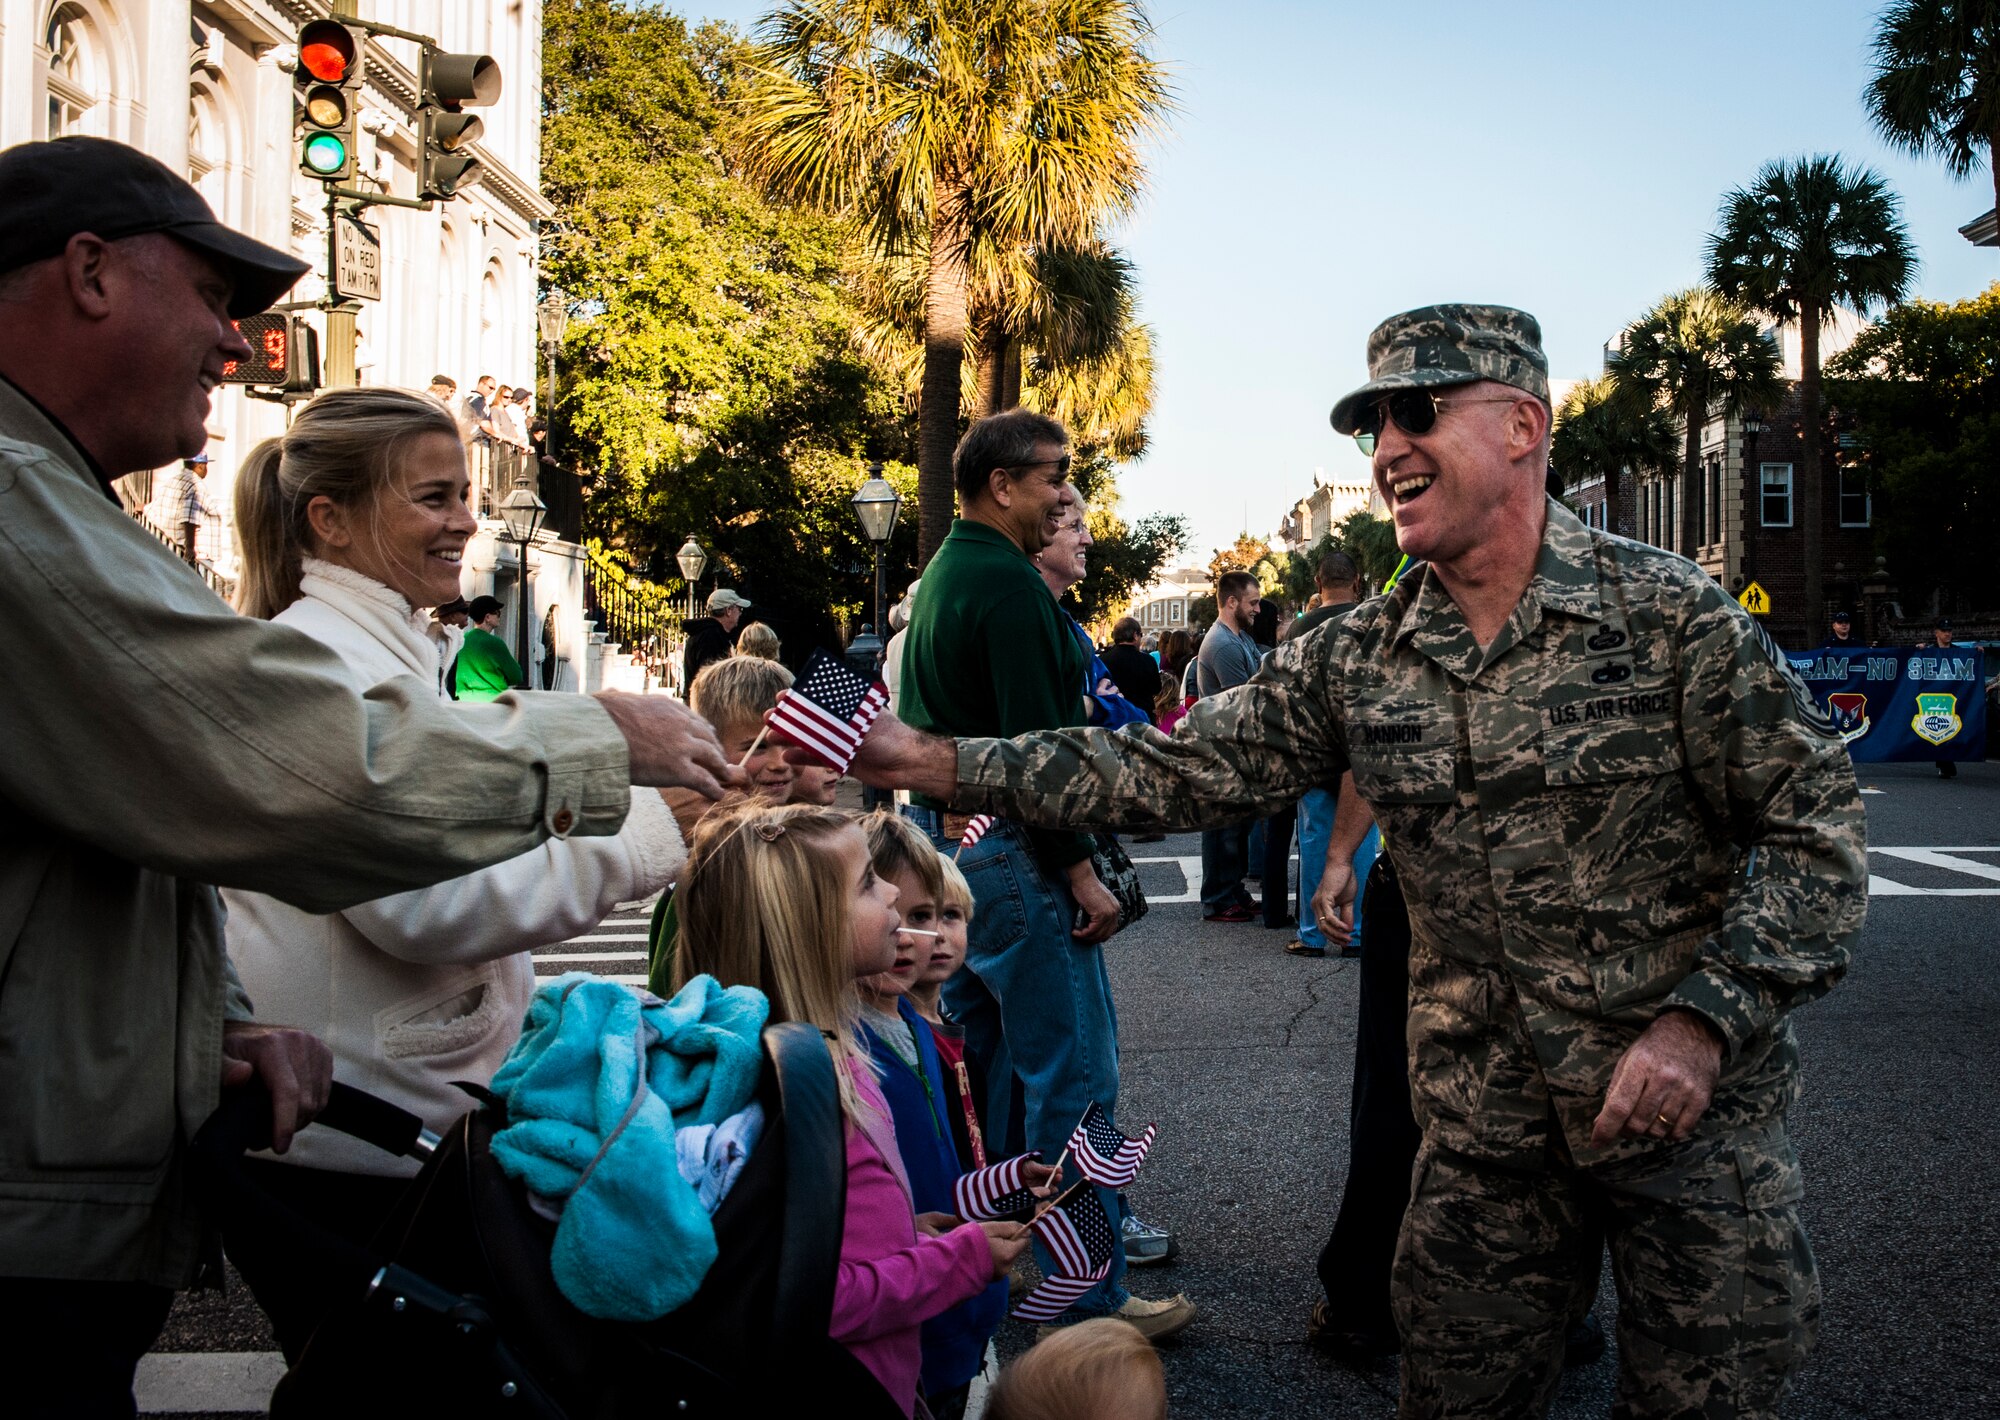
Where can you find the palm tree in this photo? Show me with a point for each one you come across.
(1071, 305)
(1804, 236)
(1696, 350)
(956, 122)
(1936, 88)
(1602, 434)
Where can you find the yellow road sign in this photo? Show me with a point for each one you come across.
(1755, 600)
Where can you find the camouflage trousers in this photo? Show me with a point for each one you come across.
(1718, 1299)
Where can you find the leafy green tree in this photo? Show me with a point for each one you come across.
(1804, 236)
(1693, 355)
(1922, 386)
(711, 384)
(1600, 435)
(960, 121)
(1124, 559)
(1371, 542)
(1936, 89)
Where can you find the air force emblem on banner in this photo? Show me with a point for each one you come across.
(1937, 718)
(1848, 709)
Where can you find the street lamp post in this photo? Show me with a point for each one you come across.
(693, 560)
(552, 316)
(1753, 486)
(876, 504)
(523, 512)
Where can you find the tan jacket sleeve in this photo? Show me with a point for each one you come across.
(149, 720)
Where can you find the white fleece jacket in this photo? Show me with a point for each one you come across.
(414, 991)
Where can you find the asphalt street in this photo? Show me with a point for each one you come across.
(1242, 1055)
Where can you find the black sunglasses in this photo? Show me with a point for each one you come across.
(1061, 466)
(1415, 412)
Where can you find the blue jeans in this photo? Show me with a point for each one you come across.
(1315, 828)
(1225, 857)
(1037, 1012)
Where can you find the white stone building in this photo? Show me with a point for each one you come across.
(1330, 503)
(207, 87)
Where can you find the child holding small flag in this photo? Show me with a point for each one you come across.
(962, 1076)
(788, 899)
(907, 1055)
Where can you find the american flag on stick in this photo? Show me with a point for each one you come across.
(828, 712)
(1080, 1240)
(1103, 1155)
(975, 829)
(996, 1193)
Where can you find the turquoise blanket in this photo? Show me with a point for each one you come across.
(595, 1088)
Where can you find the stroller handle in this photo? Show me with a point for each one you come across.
(242, 1122)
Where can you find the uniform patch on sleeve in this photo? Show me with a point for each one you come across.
(1809, 709)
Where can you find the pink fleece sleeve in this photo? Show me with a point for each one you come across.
(907, 1287)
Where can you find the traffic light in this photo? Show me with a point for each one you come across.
(284, 354)
(329, 77)
(447, 83)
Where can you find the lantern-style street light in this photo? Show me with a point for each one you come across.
(876, 504)
(523, 512)
(693, 561)
(552, 317)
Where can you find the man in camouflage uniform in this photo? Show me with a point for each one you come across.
(1630, 844)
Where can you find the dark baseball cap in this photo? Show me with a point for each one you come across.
(51, 191)
(1842, 616)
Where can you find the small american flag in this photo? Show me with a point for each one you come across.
(1103, 1155)
(989, 1195)
(975, 829)
(1081, 1241)
(828, 712)
(1054, 1296)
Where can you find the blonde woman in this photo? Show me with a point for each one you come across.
(351, 527)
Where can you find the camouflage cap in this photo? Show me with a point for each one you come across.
(1449, 345)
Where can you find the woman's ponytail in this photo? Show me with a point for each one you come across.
(270, 551)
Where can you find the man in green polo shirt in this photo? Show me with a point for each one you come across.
(990, 653)
(486, 669)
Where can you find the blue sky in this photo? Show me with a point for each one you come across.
(1333, 163)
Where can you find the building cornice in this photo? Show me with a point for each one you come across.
(1983, 231)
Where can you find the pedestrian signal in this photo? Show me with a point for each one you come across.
(328, 76)
(284, 354)
(447, 83)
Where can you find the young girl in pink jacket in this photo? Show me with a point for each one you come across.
(787, 900)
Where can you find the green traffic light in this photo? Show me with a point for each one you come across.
(325, 154)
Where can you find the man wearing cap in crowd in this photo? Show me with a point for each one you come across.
(709, 637)
(1841, 637)
(167, 745)
(1631, 845)
(1941, 634)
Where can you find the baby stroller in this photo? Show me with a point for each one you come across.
(453, 1309)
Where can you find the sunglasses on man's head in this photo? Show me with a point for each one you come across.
(1415, 412)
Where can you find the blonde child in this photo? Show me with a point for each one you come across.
(732, 695)
(923, 1096)
(947, 949)
(788, 900)
(1101, 1369)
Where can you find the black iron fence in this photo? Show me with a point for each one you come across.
(224, 587)
(639, 615)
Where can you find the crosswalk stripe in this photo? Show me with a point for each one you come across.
(590, 956)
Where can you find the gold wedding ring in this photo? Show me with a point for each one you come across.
(1666, 1121)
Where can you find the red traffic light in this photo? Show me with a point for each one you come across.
(326, 50)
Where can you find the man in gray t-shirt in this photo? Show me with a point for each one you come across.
(1228, 657)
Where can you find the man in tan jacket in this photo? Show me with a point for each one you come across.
(157, 745)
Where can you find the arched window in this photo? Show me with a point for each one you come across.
(75, 76)
(208, 148)
(492, 298)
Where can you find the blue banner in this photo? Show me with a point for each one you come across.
(1893, 703)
